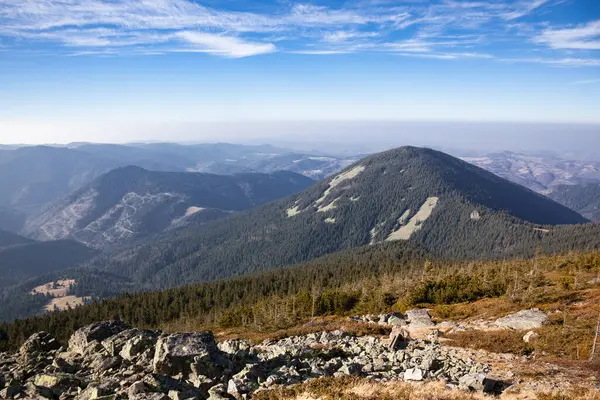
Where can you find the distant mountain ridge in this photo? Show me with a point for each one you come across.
(585, 199)
(130, 203)
(450, 207)
(33, 177)
(541, 173)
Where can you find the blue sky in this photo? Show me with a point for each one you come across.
(118, 70)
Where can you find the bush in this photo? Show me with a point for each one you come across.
(455, 289)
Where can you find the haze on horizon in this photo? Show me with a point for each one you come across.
(513, 74)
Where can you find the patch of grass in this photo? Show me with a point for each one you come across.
(351, 388)
(502, 341)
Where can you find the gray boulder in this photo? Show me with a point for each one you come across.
(419, 319)
(187, 353)
(523, 320)
(130, 343)
(41, 342)
(83, 338)
(477, 383)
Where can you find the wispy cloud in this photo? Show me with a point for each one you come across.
(582, 37)
(564, 62)
(227, 46)
(586, 82)
(442, 28)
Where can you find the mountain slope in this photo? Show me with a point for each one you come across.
(32, 177)
(30, 259)
(11, 220)
(585, 199)
(451, 207)
(10, 239)
(130, 203)
(541, 173)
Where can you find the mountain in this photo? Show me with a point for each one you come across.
(32, 177)
(8, 239)
(129, 203)
(450, 207)
(11, 220)
(316, 167)
(585, 199)
(541, 173)
(28, 259)
(313, 166)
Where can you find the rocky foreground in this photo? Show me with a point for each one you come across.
(110, 360)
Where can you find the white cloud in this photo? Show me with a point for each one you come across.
(586, 82)
(344, 36)
(565, 62)
(321, 52)
(524, 9)
(582, 37)
(86, 27)
(224, 45)
(447, 56)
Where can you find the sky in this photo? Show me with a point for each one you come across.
(189, 70)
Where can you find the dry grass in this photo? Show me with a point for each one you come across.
(364, 389)
(501, 341)
(64, 303)
(55, 289)
(486, 308)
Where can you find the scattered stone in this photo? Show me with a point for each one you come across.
(186, 353)
(413, 374)
(523, 320)
(137, 388)
(130, 343)
(399, 337)
(530, 337)
(41, 342)
(109, 361)
(82, 339)
(419, 319)
(478, 383)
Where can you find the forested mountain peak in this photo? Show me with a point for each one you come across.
(412, 179)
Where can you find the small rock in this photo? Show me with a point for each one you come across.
(41, 342)
(398, 338)
(413, 374)
(218, 392)
(473, 382)
(130, 343)
(150, 396)
(530, 337)
(137, 388)
(58, 383)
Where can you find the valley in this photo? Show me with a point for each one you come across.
(59, 293)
